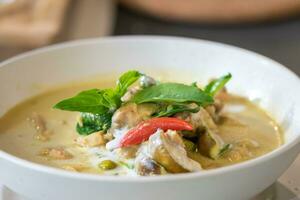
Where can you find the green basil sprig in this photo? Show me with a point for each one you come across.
(97, 106)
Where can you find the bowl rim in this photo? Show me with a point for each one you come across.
(140, 38)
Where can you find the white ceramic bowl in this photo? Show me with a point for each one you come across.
(264, 81)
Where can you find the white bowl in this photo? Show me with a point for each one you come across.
(264, 81)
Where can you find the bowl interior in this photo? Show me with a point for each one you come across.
(262, 80)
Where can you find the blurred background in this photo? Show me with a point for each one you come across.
(269, 27)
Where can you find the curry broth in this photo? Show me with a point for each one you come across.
(242, 124)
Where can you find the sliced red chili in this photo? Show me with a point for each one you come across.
(144, 130)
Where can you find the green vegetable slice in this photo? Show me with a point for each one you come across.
(189, 145)
(107, 165)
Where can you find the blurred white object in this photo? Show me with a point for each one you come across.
(32, 23)
(85, 19)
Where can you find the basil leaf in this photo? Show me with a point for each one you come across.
(91, 123)
(216, 85)
(112, 100)
(172, 92)
(126, 80)
(172, 109)
(90, 101)
(99, 101)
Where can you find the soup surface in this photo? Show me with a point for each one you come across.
(34, 131)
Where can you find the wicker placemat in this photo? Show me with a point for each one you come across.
(216, 11)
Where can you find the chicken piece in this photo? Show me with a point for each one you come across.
(215, 109)
(242, 150)
(209, 143)
(131, 114)
(222, 95)
(192, 118)
(167, 149)
(238, 154)
(130, 93)
(92, 140)
(145, 81)
(58, 153)
(145, 166)
(39, 124)
(74, 167)
(247, 143)
(108, 136)
(127, 152)
(43, 136)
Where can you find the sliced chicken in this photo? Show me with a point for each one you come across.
(145, 81)
(39, 124)
(215, 109)
(92, 140)
(58, 153)
(130, 93)
(126, 117)
(210, 143)
(131, 114)
(74, 167)
(167, 149)
(127, 152)
(242, 149)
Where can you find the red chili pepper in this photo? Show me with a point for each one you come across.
(144, 130)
